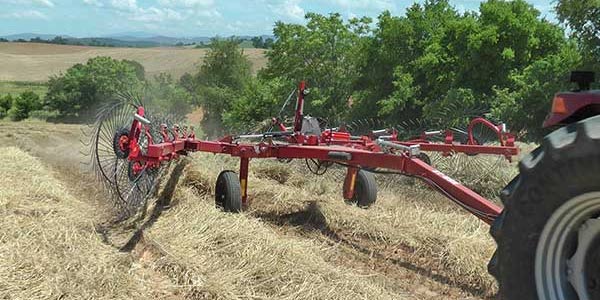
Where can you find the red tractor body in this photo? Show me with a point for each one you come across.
(570, 107)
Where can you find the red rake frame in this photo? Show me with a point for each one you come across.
(338, 146)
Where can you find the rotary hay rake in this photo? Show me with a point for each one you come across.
(131, 148)
(129, 182)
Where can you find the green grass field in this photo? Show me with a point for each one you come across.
(16, 87)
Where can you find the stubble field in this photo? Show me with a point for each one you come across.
(36, 62)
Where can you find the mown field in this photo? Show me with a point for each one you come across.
(298, 239)
(36, 62)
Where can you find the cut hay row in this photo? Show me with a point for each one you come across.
(49, 249)
(48, 246)
(409, 225)
(217, 255)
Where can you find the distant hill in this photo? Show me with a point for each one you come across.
(28, 36)
(131, 34)
(158, 39)
(126, 39)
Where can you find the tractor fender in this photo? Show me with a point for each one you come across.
(569, 107)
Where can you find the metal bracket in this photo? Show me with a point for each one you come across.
(141, 119)
(412, 150)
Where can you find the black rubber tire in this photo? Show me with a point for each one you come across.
(365, 189)
(228, 192)
(425, 158)
(567, 164)
(118, 152)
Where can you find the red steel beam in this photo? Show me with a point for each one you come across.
(355, 158)
(473, 202)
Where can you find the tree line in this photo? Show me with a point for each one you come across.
(433, 64)
(256, 42)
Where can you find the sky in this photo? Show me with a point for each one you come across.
(188, 18)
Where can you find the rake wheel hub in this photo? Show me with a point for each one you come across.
(121, 143)
(124, 142)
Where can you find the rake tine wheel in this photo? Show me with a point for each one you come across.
(457, 165)
(129, 183)
(472, 168)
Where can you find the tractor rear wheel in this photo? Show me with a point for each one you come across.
(228, 192)
(548, 235)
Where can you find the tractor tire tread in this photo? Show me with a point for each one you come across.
(581, 141)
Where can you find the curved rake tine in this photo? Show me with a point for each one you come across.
(128, 194)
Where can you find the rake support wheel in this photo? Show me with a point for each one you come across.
(425, 158)
(228, 192)
(365, 189)
(548, 235)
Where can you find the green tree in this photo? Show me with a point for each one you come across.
(323, 52)
(259, 101)
(5, 104)
(22, 105)
(219, 83)
(452, 110)
(257, 42)
(404, 64)
(59, 40)
(268, 43)
(140, 71)
(225, 64)
(511, 38)
(83, 86)
(526, 103)
(583, 18)
(260, 42)
(187, 82)
(402, 98)
(415, 66)
(168, 97)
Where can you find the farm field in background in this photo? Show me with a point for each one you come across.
(36, 62)
(16, 87)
